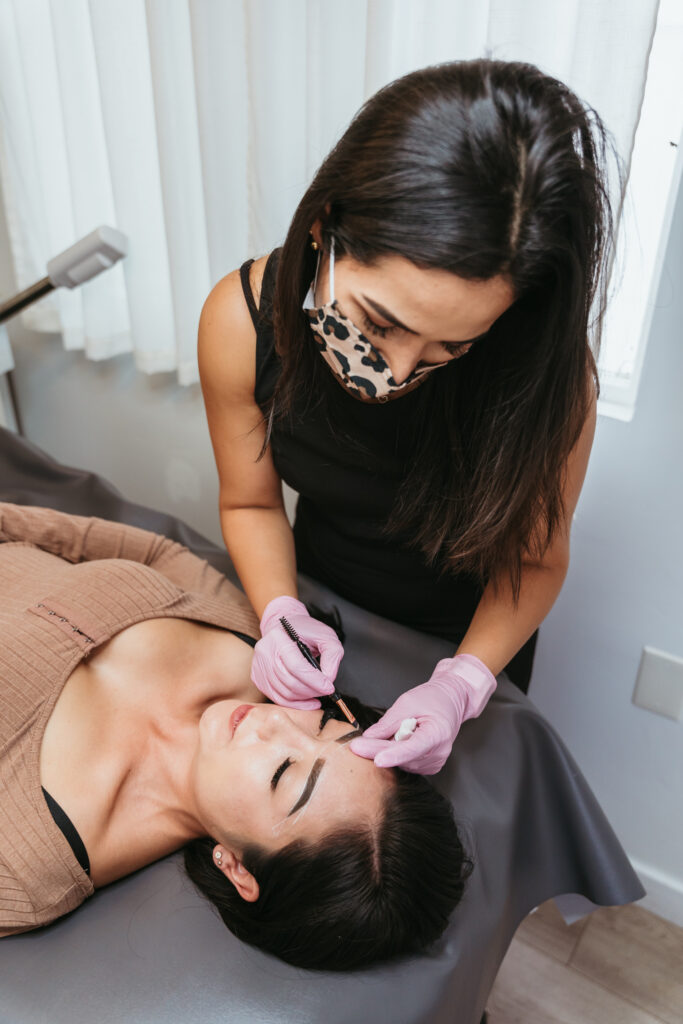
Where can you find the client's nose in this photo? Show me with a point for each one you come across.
(278, 724)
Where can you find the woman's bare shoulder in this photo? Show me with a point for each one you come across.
(227, 303)
(227, 337)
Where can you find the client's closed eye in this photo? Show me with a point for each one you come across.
(279, 772)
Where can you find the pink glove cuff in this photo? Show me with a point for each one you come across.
(480, 681)
(281, 606)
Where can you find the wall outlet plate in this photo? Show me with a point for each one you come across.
(659, 686)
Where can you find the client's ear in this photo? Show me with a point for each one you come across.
(230, 865)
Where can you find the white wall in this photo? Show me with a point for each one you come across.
(625, 590)
(146, 435)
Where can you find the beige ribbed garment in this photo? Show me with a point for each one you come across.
(67, 584)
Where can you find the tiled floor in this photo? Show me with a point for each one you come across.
(620, 965)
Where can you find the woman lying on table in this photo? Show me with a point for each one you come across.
(129, 727)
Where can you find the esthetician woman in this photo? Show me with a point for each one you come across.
(415, 362)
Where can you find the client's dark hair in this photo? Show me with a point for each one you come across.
(361, 895)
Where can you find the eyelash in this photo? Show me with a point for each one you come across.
(453, 348)
(280, 771)
(374, 328)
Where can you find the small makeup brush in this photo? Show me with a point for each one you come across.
(312, 660)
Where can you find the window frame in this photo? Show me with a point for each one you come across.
(653, 185)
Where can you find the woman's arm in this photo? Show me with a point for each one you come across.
(500, 626)
(255, 527)
(85, 539)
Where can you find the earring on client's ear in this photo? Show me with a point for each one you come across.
(218, 855)
(314, 244)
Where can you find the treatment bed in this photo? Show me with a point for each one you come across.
(148, 949)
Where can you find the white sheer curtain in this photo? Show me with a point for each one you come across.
(194, 126)
(6, 360)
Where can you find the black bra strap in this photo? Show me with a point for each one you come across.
(248, 294)
(67, 827)
(243, 636)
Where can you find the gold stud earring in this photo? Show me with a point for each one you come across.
(314, 244)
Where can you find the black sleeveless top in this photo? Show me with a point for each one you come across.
(348, 474)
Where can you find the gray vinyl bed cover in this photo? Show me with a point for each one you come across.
(149, 949)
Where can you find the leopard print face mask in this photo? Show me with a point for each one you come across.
(353, 359)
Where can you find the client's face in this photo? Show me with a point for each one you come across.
(269, 775)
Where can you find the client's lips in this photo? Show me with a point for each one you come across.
(238, 715)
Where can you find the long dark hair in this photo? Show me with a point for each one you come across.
(479, 168)
(360, 896)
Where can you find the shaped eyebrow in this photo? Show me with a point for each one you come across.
(387, 315)
(310, 785)
(348, 736)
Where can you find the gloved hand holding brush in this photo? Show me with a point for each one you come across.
(278, 669)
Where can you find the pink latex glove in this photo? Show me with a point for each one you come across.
(459, 688)
(280, 670)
